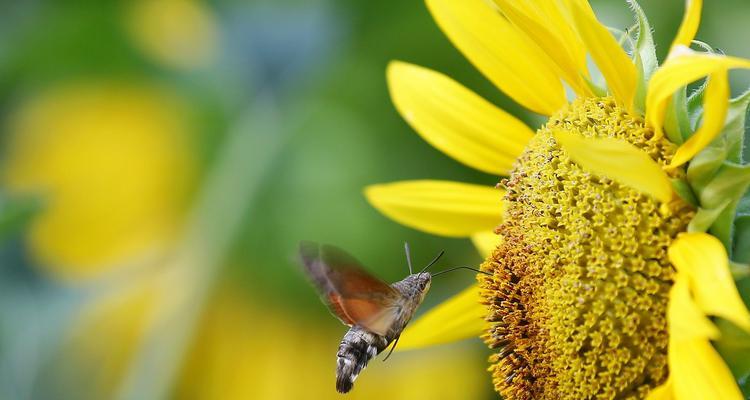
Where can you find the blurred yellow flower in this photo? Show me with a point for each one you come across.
(244, 348)
(113, 165)
(595, 290)
(179, 34)
(250, 350)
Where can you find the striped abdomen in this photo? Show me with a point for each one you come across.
(356, 349)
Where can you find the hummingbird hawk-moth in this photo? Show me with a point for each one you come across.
(375, 311)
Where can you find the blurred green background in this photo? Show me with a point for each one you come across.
(161, 159)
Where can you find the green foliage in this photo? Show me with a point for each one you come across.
(15, 214)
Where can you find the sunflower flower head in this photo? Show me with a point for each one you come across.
(608, 245)
(580, 284)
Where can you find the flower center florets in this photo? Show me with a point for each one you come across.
(578, 297)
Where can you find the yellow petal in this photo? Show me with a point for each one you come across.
(460, 317)
(663, 392)
(683, 67)
(486, 242)
(703, 259)
(715, 107)
(439, 207)
(455, 120)
(560, 21)
(505, 56)
(618, 160)
(699, 373)
(558, 41)
(686, 319)
(618, 69)
(690, 23)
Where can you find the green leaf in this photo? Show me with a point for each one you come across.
(734, 130)
(15, 214)
(645, 55)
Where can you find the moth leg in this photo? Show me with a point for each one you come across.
(395, 342)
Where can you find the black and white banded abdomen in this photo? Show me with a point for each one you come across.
(356, 349)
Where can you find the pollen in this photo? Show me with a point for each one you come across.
(578, 292)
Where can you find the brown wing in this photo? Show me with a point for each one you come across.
(351, 293)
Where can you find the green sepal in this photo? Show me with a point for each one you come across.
(704, 166)
(706, 217)
(734, 129)
(727, 146)
(645, 56)
(683, 189)
(728, 185)
(723, 228)
(695, 104)
(598, 90)
(639, 102)
(676, 121)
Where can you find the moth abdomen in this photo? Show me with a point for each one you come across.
(356, 349)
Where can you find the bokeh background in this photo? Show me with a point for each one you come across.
(161, 159)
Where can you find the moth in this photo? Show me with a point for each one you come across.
(375, 311)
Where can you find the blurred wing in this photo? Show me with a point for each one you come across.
(350, 292)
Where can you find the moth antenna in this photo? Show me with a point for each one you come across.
(462, 267)
(434, 260)
(408, 256)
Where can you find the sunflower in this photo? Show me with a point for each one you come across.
(608, 244)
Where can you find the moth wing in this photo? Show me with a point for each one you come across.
(350, 292)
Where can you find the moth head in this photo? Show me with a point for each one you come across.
(420, 282)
